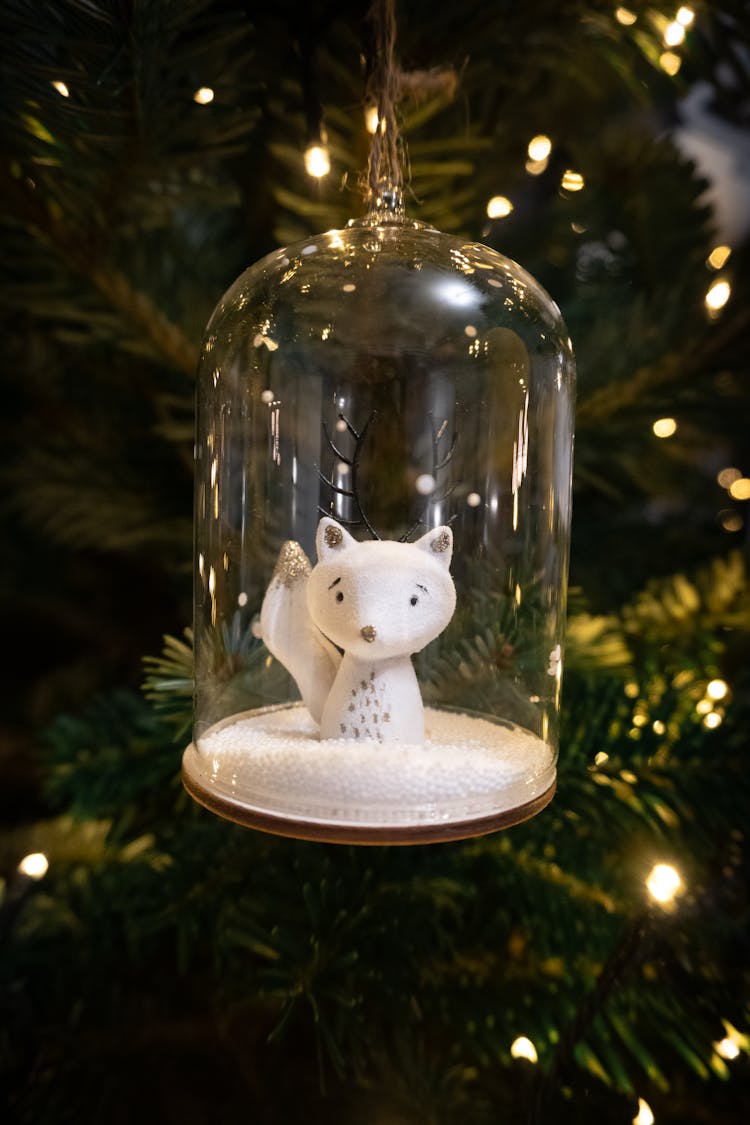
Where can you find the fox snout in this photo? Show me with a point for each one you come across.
(368, 633)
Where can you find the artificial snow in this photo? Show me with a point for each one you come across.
(273, 760)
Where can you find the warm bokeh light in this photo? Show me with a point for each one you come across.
(35, 865)
(539, 147)
(717, 689)
(536, 167)
(625, 17)
(670, 63)
(523, 1048)
(728, 476)
(317, 161)
(733, 1042)
(663, 882)
(658, 727)
(685, 16)
(718, 257)
(473, 499)
(727, 1048)
(674, 34)
(498, 207)
(601, 758)
(731, 521)
(62, 89)
(204, 95)
(718, 295)
(740, 489)
(644, 1116)
(371, 119)
(571, 181)
(664, 427)
(712, 720)
(703, 706)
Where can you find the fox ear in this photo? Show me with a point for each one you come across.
(439, 544)
(332, 539)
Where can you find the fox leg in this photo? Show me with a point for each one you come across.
(289, 633)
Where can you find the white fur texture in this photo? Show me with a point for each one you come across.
(380, 602)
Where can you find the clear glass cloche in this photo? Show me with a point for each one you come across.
(383, 477)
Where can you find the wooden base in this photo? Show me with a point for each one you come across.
(337, 833)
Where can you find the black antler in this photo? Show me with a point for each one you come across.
(353, 463)
(438, 462)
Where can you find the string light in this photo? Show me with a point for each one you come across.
(712, 720)
(674, 34)
(498, 207)
(536, 167)
(717, 689)
(703, 706)
(740, 489)
(539, 147)
(718, 257)
(62, 89)
(572, 181)
(601, 757)
(663, 882)
(317, 161)
(728, 476)
(664, 427)
(523, 1048)
(204, 95)
(685, 16)
(625, 17)
(644, 1116)
(670, 63)
(718, 295)
(35, 865)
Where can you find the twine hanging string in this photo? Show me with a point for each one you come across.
(386, 85)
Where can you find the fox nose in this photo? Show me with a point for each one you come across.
(368, 633)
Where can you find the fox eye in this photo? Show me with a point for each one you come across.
(413, 599)
(339, 596)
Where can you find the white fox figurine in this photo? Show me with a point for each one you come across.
(379, 602)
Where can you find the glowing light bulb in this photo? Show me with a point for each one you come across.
(664, 427)
(740, 489)
(644, 1116)
(663, 882)
(670, 63)
(718, 295)
(717, 689)
(523, 1048)
(718, 257)
(62, 89)
(572, 181)
(204, 95)
(539, 147)
(625, 17)
(712, 720)
(685, 16)
(35, 865)
(317, 161)
(674, 34)
(498, 207)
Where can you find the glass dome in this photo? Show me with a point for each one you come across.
(383, 472)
